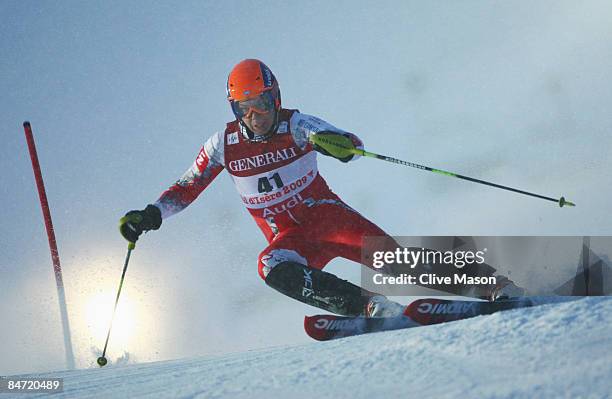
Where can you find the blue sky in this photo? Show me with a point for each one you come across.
(122, 95)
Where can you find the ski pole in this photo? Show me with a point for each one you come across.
(318, 139)
(102, 359)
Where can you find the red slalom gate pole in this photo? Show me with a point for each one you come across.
(52, 243)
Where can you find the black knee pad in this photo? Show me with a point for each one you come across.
(318, 288)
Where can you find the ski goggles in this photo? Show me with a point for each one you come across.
(261, 104)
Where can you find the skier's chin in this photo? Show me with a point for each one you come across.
(259, 130)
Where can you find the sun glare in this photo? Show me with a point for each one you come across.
(135, 329)
(99, 310)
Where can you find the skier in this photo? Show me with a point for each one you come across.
(268, 152)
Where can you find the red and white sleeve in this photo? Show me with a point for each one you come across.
(303, 126)
(193, 182)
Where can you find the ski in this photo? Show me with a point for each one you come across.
(434, 311)
(328, 327)
(421, 312)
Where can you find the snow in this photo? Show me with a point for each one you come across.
(555, 351)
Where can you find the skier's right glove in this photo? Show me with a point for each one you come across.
(134, 223)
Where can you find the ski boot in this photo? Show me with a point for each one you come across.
(504, 289)
(380, 306)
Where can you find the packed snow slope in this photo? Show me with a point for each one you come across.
(551, 351)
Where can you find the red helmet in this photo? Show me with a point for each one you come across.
(252, 79)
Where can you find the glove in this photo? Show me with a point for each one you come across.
(134, 223)
(333, 144)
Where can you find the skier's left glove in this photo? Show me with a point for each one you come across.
(134, 223)
(334, 144)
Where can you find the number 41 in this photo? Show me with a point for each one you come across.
(264, 184)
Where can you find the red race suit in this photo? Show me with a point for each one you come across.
(280, 185)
